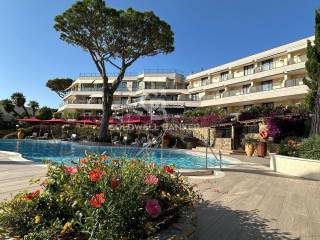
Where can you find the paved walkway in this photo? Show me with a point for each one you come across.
(251, 202)
(15, 175)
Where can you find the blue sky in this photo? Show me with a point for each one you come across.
(207, 33)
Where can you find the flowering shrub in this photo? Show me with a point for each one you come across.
(99, 198)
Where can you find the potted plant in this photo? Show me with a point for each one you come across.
(166, 139)
(249, 143)
(262, 144)
(20, 133)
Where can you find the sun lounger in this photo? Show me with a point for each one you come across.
(33, 136)
(44, 137)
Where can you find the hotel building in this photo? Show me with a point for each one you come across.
(270, 78)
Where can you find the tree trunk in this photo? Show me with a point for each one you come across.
(107, 99)
(315, 125)
(26, 111)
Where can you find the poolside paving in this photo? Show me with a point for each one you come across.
(249, 202)
(15, 176)
(252, 202)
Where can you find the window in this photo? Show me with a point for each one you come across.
(134, 86)
(221, 92)
(248, 70)
(224, 76)
(122, 86)
(204, 81)
(195, 97)
(266, 85)
(267, 65)
(124, 100)
(268, 105)
(246, 89)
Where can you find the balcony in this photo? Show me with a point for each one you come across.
(292, 88)
(258, 72)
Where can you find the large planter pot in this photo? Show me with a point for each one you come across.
(249, 148)
(261, 149)
(20, 134)
(166, 141)
(190, 145)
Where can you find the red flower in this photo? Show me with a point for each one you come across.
(153, 208)
(115, 161)
(97, 200)
(168, 169)
(103, 157)
(151, 180)
(96, 174)
(70, 170)
(84, 160)
(114, 183)
(32, 195)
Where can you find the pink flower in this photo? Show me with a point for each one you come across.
(70, 170)
(153, 208)
(151, 180)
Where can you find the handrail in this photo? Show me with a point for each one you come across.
(208, 146)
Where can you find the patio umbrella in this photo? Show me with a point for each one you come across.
(87, 122)
(32, 120)
(56, 121)
(113, 121)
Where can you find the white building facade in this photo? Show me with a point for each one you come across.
(270, 78)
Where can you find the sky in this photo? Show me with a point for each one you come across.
(207, 33)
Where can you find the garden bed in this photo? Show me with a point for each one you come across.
(300, 167)
(103, 198)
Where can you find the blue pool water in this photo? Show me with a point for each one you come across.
(58, 151)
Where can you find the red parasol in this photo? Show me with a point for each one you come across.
(56, 121)
(87, 122)
(32, 120)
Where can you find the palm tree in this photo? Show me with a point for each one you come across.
(34, 105)
(9, 107)
(19, 100)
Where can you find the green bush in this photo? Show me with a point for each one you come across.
(99, 198)
(290, 146)
(57, 115)
(70, 115)
(310, 148)
(44, 113)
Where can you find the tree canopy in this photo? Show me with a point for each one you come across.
(34, 105)
(44, 113)
(59, 85)
(114, 37)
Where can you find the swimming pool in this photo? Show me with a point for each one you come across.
(59, 151)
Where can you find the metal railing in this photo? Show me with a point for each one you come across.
(293, 82)
(254, 89)
(258, 69)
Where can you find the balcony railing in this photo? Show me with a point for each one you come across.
(258, 69)
(254, 89)
(293, 82)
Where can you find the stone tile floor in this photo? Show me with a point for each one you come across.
(249, 202)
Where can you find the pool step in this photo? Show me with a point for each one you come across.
(224, 152)
(196, 172)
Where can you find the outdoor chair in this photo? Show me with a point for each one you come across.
(33, 136)
(44, 137)
(74, 137)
